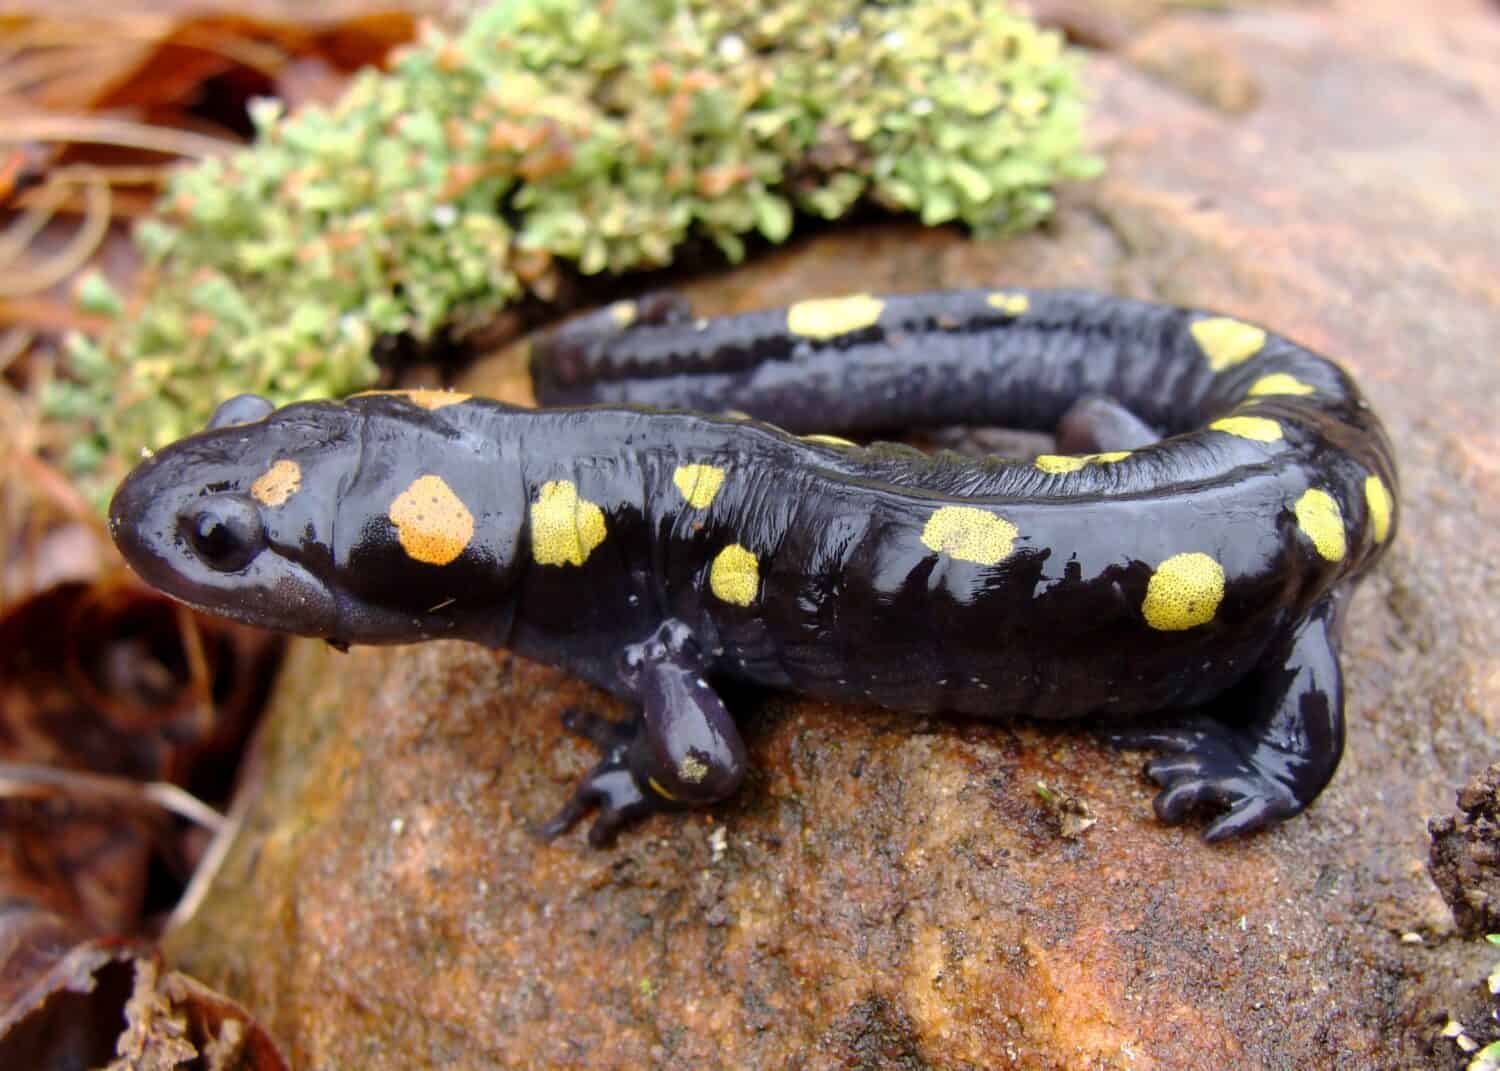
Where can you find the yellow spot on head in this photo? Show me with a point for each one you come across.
(1378, 501)
(278, 483)
(432, 523)
(969, 534)
(735, 575)
(1278, 383)
(1010, 304)
(427, 399)
(698, 483)
(1260, 429)
(622, 313)
(1184, 592)
(1227, 342)
(831, 317)
(1320, 520)
(1059, 463)
(565, 529)
(827, 440)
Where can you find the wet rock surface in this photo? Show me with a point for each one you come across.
(890, 891)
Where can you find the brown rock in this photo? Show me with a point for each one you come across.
(889, 891)
(1192, 55)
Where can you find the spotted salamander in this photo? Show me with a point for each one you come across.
(1215, 493)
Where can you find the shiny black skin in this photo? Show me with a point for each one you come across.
(848, 598)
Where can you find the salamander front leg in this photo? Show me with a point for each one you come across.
(684, 749)
(1274, 766)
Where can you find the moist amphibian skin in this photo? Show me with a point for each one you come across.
(1186, 551)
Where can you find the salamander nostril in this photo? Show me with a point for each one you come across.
(225, 531)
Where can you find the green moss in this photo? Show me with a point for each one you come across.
(556, 134)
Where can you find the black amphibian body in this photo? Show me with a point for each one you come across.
(1186, 551)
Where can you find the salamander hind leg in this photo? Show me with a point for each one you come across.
(1271, 767)
(1096, 423)
(683, 749)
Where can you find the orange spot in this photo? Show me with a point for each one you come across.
(278, 483)
(432, 523)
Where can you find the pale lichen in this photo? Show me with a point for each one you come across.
(554, 135)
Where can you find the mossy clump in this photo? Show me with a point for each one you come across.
(556, 135)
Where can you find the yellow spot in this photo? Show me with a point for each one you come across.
(622, 313)
(698, 483)
(1320, 520)
(278, 483)
(432, 523)
(969, 534)
(1279, 383)
(735, 575)
(1261, 429)
(1226, 342)
(1378, 501)
(827, 440)
(1059, 463)
(1184, 592)
(692, 769)
(1010, 304)
(427, 399)
(565, 529)
(831, 317)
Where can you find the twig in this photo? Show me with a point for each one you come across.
(28, 781)
(103, 131)
(74, 255)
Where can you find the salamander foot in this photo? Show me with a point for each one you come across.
(609, 787)
(1208, 764)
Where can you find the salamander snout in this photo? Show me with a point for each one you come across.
(224, 521)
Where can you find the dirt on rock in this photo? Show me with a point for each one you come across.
(1465, 859)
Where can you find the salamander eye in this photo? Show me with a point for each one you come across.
(224, 531)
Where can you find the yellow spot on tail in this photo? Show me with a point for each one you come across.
(831, 317)
(1183, 593)
(1011, 304)
(699, 483)
(427, 399)
(735, 575)
(565, 529)
(1227, 342)
(969, 534)
(1260, 429)
(1378, 501)
(1320, 520)
(278, 483)
(1278, 383)
(1059, 463)
(622, 313)
(827, 440)
(432, 523)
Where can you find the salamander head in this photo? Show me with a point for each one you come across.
(384, 518)
(238, 519)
